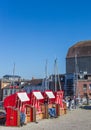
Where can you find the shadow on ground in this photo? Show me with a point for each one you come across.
(86, 107)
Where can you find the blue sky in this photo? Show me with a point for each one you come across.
(32, 31)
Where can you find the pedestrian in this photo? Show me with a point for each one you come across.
(22, 114)
(70, 103)
(75, 102)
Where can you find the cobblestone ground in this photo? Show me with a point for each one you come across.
(78, 119)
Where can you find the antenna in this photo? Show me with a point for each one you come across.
(56, 75)
(46, 75)
(13, 73)
(14, 70)
(46, 71)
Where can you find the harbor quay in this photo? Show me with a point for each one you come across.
(77, 119)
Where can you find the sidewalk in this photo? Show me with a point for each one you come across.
(78, 119)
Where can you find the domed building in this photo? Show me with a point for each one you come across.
(78, 58)
(78, 70)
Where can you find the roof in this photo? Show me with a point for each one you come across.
(38, 95)
(36, 81)
(33, 82)
(50, 94)
(23, 96)
(11, 76)
(82, 48)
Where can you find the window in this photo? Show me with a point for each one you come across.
(10, 91)
(5, 92)
(84, 87)
(89, 86)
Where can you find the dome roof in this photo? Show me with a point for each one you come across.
(82, 48)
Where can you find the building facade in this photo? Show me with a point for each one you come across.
(6, 84)
(78, 69)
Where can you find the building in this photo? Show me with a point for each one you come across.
(69, 86)
(45, 84)
(84, 87)
(78, 69)
(34, 84)
(79, 58)
(3, 84)
(12, 77)
(6, 82)
(9, 90)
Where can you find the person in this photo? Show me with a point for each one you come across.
(52, 111)
(70, 103)
(22, 115)
(75, 102)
